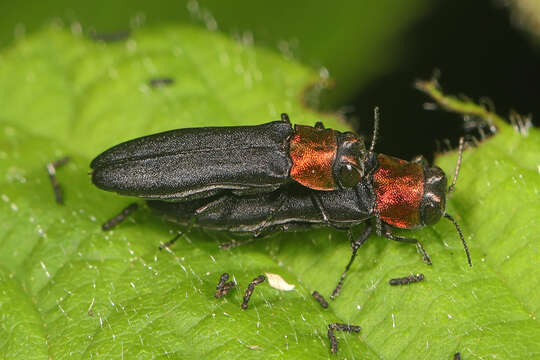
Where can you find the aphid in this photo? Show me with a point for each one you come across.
(160, 81)
(321, 300)
(345, 327)
(109, 224)
(223, 286)
(51, 169)
(381, 191)
(333, 341)
(198, 163)
(339, 327)
(407, 279)
(259, 279)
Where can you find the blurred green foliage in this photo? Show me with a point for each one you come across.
(356, 41)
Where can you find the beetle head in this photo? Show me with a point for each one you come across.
(348, 167)
(433, 203)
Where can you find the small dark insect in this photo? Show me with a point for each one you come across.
(51, 169)
(345, 327)
(320, 299)
(333, 341)
(339, 327)
(223, 286)
(160, 81)
(259, 279)
(110, 37)
(109, 224)
(407, 279)
(457, 356)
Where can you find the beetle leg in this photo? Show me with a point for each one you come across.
(319, 125)
(326, 218)
(263, 225)
(210, 205)
(167, 244)
(285, 118)
(355, 245)
(388, 234)
(318, 203)
(257, 232)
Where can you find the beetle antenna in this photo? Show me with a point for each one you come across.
(449, 217)
(376, 116)
(458, 165)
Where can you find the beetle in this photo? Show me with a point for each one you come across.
(192, 163)
(386, 191)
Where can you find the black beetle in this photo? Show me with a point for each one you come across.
(194, 163)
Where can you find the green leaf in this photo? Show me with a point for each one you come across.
(70, 290)
(314, 31)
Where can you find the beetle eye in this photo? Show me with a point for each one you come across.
(349, 176)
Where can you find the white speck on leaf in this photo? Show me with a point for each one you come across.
(277, 282)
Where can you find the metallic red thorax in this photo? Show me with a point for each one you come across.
(399, 186)
(313, 152)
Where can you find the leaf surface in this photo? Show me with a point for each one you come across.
(70, 290)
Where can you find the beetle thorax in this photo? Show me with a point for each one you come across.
(399, 187)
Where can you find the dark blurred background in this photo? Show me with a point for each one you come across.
(479, 53)
(373, 49)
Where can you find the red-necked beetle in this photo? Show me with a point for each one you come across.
(195, 163)
(260, 199)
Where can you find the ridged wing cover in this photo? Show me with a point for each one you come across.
(199, 162)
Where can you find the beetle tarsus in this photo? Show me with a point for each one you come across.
(388, 234)
(167, 244)
(128, 210)
(51, 169)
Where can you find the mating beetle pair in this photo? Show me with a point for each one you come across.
(269, 177)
